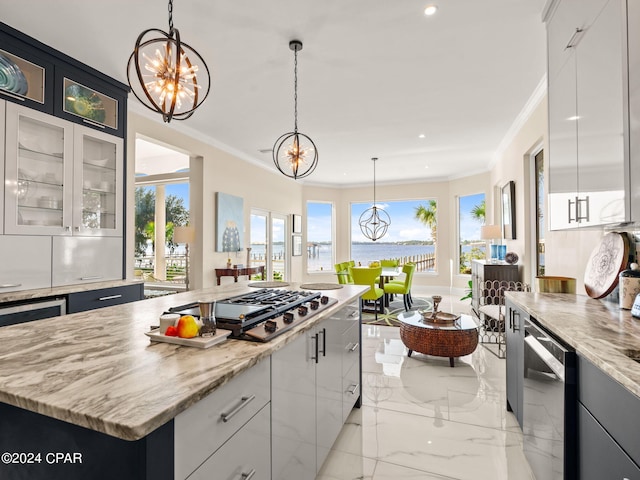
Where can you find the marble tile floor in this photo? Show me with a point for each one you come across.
(422, 419)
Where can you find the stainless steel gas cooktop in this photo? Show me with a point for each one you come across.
(263, 314)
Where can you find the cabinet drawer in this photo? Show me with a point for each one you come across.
(246, 455)
(78, 260)
(200, 430)
(615, 408)
(351, 390)
(104, 297)
(351, 342)
(599, 456)
(26, 262)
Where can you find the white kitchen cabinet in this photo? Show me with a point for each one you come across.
(97, 183)
(18, 274)
(586, 63)
(62, 179)
(203, 432)
(245, 456)
(38, 173)
(633, 14)
(315, 379)
(77, 260)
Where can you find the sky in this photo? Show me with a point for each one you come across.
(403, 226)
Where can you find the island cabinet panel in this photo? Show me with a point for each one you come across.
(599, 456)
(514, 326)
(201, 430)
(104, 297)
(633, 12)
(92, 455)
(315, 383)
(615, 408)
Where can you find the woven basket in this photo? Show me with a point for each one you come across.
(439, 342)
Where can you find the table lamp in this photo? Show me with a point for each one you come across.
(493, 233)
(185, 235)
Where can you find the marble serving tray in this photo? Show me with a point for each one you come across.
(199, 342)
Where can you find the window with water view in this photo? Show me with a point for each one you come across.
(320, 254)
(411, 237)
(471, 216)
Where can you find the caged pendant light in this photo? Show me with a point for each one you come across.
(166, 75)
(294, 153)
(374, 221)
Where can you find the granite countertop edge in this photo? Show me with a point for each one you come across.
(598, 330)
(98, 370)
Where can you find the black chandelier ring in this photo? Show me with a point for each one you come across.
(292, 157)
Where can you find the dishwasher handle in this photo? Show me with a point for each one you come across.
(545, 356)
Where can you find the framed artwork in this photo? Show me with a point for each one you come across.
(509, 210)
(297, 246)
(297, 224)
(229, 222)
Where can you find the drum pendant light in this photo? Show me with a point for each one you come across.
(294, 153)
(166, 75)
(374, 221)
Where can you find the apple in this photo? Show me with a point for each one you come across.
(187, 326)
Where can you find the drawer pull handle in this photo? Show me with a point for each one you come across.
(9, 94)
(245, 401)
(355, 347)
(572, 41)
(96, 277)
(354, 389)
(10, 285)
(355, 313)
(248, 476)
(110, 297)
(95, 124)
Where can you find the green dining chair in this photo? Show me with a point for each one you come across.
(342, 271)
(389, 262)
(367, 276)
(404, 289)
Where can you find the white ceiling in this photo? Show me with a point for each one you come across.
(373, 75)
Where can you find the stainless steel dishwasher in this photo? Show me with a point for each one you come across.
(548, 405)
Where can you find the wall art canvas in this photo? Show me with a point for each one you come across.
(230, 222)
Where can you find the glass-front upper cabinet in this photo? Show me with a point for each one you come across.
(97, 183)
(38, 173)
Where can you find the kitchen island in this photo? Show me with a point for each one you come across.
(597, 426)
(94, 379)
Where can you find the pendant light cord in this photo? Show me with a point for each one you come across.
(295, 90)
(170, 16)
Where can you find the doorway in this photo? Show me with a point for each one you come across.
(538, 213)
(269, 246)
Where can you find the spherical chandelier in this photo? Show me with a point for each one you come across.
(167, 75)
(294, 153)
(374, 222)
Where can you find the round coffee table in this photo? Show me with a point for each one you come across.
(439, 339)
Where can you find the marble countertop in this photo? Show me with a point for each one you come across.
(98, 369)
(598, 330)
(20, 295)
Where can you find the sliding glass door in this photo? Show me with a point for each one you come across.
(269, 245)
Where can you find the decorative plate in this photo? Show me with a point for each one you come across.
(606, 261)
(11, 77)
(511, 258)
(84, 102)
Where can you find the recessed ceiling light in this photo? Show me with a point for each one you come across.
(422, 135)
(426, 166)
(430, 10)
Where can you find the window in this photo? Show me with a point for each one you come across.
(412, 235)
(471, 216)
(320, 256)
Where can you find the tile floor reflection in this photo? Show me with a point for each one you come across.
(422, 419)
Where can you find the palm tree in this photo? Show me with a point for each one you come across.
(427, 215)
(478, 212)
